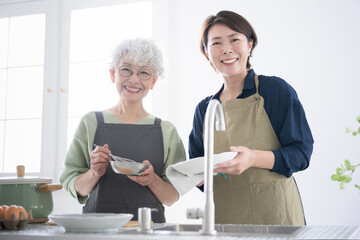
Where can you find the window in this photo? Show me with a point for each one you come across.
(94, 33)
(54, 57)
(22, 44)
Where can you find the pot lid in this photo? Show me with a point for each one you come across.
(24, 180)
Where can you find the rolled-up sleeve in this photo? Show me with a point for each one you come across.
(77, 161)
(293, 132)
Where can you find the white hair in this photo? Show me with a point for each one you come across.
(140, 51)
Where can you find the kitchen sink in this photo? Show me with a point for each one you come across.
(195, 228)
(230, 229)
(261, 229)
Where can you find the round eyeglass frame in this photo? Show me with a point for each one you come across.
(131, 72)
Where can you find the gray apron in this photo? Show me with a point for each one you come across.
(257, 196)
(116, 193)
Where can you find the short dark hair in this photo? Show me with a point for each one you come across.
(235, 22)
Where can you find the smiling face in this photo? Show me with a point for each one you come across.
(227, 50)
(130, 82)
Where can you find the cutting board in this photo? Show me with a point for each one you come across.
(131, 224)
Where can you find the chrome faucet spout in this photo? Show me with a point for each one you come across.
(214, 109)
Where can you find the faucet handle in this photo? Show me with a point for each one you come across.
(194, 213)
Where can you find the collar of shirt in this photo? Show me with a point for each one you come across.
(249, 86)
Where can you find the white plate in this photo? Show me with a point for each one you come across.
(91, 222)
(196, 165)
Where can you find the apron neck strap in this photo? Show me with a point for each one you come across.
(157, 121)
(99, 117)
(257, 83)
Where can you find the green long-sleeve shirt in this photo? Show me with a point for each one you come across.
(77, 160)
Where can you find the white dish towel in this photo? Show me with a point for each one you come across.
(186, 175)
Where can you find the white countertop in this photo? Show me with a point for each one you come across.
(41, 231)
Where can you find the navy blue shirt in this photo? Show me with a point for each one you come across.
(287, 118)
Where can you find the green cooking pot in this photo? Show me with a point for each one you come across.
(33, 193)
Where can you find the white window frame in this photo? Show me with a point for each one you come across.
(49, 7)
(56, 68)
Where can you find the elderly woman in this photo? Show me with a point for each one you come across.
(126, 130)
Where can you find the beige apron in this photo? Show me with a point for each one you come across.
(257, 196)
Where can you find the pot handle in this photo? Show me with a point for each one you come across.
(49, 187)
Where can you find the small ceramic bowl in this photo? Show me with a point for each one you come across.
(128, 168)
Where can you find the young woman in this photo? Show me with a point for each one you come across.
(265, 124)
(125, 130)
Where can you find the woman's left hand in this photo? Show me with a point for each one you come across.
(147, 177)
(243, 160)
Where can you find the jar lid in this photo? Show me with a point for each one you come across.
(24, 180)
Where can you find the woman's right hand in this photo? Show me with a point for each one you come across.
(99, 160)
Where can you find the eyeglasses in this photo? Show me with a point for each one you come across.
(126, 71)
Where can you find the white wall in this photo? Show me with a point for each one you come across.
(313, 45)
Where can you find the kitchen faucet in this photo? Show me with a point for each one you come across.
(208, 215)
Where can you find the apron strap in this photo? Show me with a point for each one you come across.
(257, 83)
(259, 99)
(157, 121)
(99, 117)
